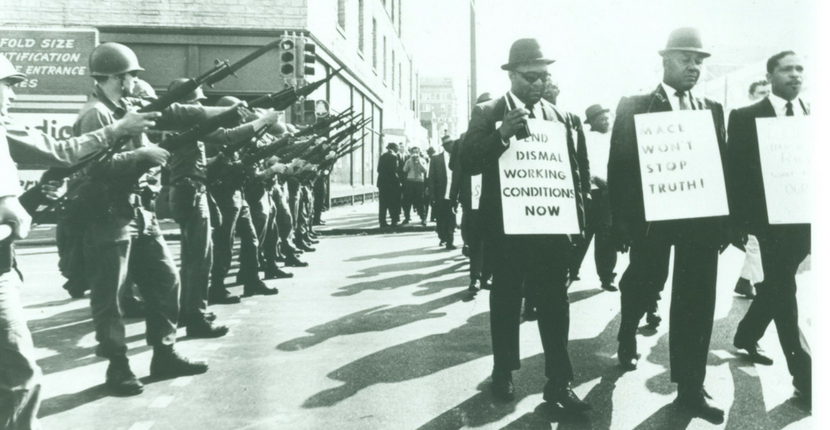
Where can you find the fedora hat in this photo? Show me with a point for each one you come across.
(685, 39)
(593, 111)
(525, 51)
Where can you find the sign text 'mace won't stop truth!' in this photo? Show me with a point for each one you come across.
(680, 165)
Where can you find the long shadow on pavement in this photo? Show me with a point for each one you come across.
(420, 358)
(397, 281)
(372, 320)
(748, 410)
(396, 254)
(397, 267)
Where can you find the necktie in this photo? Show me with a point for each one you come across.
(789, 106)
(530, 108)
(682, 96)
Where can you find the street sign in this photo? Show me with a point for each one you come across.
(321, 108)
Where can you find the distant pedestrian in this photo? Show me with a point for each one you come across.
(389, 186)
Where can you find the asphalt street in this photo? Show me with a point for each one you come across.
(380, 333)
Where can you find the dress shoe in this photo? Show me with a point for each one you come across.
(319, 222)
(465, 250)
(502, 386)
(744, 288)
(405, 222)
(75, 288)
(132, 308)
(384, 226)
(312, 241)
(202, 328)
(653, 320)
(529, 314)
(277, 273)
(450, 247)
(120, 379)
(488, 283)
(423, 223)
(574, 276)
(475, 286)
(221, 296)
(803, 394)
(566, 398)
(441, 243)
(608, 286)
(304, 247)
(755, 354)
(696, 403)
(257, 287)
(292, 261)
(627, 354)
(167, 363)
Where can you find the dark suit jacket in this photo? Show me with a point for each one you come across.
(748, 203)
(388, 171)
(437, 179)
(460, 190)
(483, 146)
(624, 181)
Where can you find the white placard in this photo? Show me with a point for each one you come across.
(475, 189)
(680, 165)
(537, 188)
(784, 146)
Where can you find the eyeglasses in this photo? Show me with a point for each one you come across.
(532, 77)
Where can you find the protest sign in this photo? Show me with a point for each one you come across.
(680, 165)
(537, 188)
(475, 188)
(784, 147)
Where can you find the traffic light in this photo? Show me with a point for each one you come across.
(287, 57)
(306, 58)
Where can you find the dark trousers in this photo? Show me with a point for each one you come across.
(413, 197)
(284, 220)
(598, 227)
(189, 205)
(692, 302)
(235, 214)
(473, 237)
(263, 218)
(389, 200)
(320, 186)
(303, 224)
(783, 248)
(539, 263)
(150, 265)
(445, 221)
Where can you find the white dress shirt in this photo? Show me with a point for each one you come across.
(599, 147)
(780, 106)
(674, 100)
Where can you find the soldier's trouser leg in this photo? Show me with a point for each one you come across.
(196, 257)
(248, 259)
(154, 271)
(285, 224)
(271, 240)
(223, 235)
(19, 374)
(301, 231)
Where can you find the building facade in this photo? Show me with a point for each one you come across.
(183, 38)
(438, 98)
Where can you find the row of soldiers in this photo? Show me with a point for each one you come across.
(540, 260)
(218, 171)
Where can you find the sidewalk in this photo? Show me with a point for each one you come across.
(360, 218)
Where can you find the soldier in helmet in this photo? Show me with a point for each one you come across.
(123, 236)
(19, 373)
(189, 207)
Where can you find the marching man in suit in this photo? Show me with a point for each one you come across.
(696, 239)
(439, 183)
(783, 246)
(389, 186)
(536, 259)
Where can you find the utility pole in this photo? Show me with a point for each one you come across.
(473, 90)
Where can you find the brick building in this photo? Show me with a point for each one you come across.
(182, 38)
(439, 106)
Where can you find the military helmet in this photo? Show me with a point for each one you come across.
(192, 96)
(227, 101)
(8, 72)
(110, 59)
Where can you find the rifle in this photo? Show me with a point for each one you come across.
(282, 100)
(323, 126)
(33, 198)
(235, 147)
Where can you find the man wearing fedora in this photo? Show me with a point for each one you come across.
(537, 261)
(696, 241)
(598, 210)
(389, 186)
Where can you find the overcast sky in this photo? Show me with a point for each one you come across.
(604, 48)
